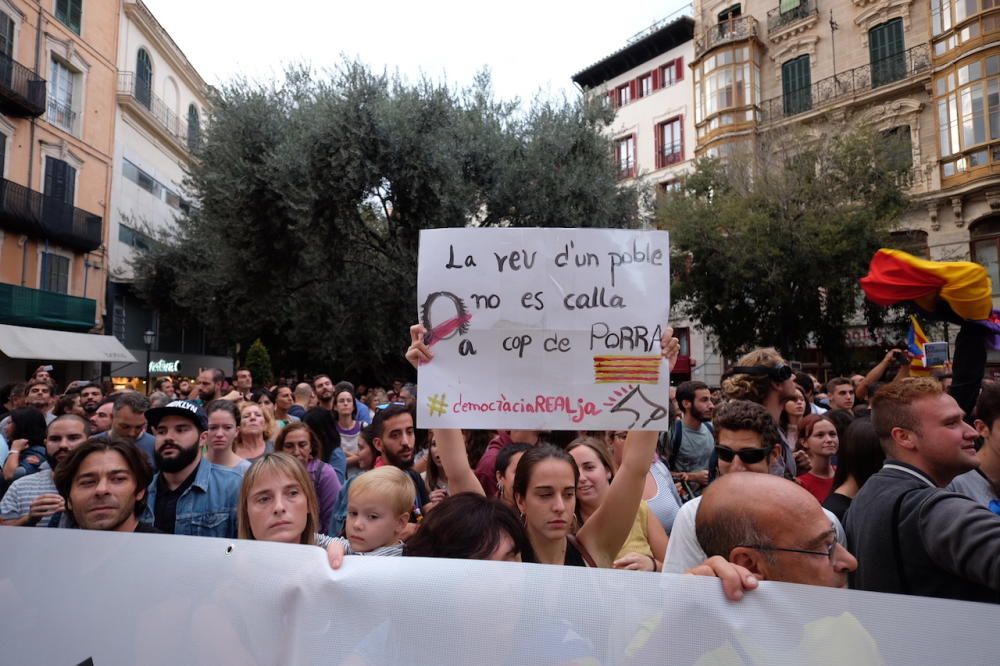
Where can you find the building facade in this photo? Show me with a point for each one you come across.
(648, 84)
(57, 82)
(927, 72)
(161, 106)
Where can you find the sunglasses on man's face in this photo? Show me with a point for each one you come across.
(748, 456)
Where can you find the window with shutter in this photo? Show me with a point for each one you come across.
(887, 52)
(796, 86)
(55, 273)
(69, 13)
(59, 191)
(144, 78)
(194, 128)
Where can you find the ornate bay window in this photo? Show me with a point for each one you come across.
(727, 88)
(967, 99)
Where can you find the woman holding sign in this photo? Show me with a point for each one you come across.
(545, 486)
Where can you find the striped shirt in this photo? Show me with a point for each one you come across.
(394, 550)
(17, 502)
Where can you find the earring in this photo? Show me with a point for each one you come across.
(499, 488)
(524, 519)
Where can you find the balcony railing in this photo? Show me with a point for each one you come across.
(730, 30)
(777, 19)
(157, 109)
(669, 155)
(22, 92)
(29, 212)
(22, 306)
(61, 114)
(849, 84)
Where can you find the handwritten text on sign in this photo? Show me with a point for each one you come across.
(554, 329)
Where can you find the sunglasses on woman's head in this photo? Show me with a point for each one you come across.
(389, 404)
(748, 456)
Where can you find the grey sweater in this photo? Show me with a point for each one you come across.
(911, 537)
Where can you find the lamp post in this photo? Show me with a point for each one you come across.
(148, 337)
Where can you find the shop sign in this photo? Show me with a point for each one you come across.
(162, 365)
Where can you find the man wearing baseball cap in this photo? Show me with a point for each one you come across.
(189, 495)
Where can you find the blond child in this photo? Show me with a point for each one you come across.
(378, 509)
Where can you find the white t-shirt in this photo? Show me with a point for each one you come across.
(683, 549)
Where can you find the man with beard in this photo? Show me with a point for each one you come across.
(692, 442)
(189, 495)
(34, 498)
(208, 386)
(183, 389)
(103, 484)
(762, 376)
(91, 395)
(325, 391)
(393, 438)
(100, 420)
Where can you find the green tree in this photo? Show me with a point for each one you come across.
(309, 196)
(769, 246)
(258, 362)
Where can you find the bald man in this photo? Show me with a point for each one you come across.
(774, 528)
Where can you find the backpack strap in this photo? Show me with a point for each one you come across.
(675, 443)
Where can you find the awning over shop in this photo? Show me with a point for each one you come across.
(43, 344)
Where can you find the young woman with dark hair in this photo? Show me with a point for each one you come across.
(298, 440)
(348, 426)
(223, 427)
(26, 434)
(469, 526)
(818, 438)
(324, 424)
(545, 487)
(860, 457)
(507, 460)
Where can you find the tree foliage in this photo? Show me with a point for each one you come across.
(770, 245)
(258, 362)
(309, 196)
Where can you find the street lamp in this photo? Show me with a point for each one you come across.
(148, 337)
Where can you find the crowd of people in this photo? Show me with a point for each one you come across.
(882, 482)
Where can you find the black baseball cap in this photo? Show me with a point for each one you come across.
(185, 408)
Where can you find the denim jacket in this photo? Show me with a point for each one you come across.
(208, 506)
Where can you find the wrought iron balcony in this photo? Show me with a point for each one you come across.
(22, 306)
(22, 92)
(777, 19)
(26, 211)
(141, 95)
(730, 30)
(848, 84)
(61, 114)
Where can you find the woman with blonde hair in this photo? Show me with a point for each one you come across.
(256, 433)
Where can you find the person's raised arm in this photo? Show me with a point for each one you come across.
(606, 530)
(450, 442)
(874, 375)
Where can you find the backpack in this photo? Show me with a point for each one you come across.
(669, 443)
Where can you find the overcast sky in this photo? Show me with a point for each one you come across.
(529, 45)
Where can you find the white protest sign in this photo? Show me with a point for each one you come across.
(553, 329)
(105, 598)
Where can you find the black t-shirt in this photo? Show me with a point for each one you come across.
(143, 528)
(573, 558)
(165, 510)
(838, 505)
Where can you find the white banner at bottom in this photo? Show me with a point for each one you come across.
(72, 597)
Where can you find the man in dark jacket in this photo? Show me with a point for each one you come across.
(909, 535)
